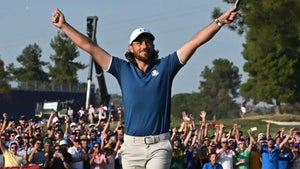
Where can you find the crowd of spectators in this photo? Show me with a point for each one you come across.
(62, 143)
(78, 143)
(229, 148)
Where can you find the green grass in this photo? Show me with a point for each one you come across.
(257, 121)
(253, 120)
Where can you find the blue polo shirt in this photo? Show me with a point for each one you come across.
(146, 96)
(269, 157)
(208, 165)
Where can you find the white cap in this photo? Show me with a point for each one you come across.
(241, 142)
(18, 136)
(73, 124)
(224, 140)
(137, 32)
(231, 139)
(63, 142)
(261, 135)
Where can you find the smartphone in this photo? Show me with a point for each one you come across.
(237, 4)
(253, 128)
(59, 154)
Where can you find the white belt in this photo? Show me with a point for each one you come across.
(147, 139)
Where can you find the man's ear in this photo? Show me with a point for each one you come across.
(130, 48)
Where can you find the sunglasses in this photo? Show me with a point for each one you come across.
(96, 146)
(13, 147)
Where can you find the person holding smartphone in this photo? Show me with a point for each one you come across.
(61, 158)
(146, 82)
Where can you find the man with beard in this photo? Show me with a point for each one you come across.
(146, 83)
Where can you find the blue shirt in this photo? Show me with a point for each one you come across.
(146, 96)
(284, 160)
(92, 142)
(270, 157)
(208, 165)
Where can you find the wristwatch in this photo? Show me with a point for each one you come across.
(218, 22)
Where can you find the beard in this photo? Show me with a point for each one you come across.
(145, 56)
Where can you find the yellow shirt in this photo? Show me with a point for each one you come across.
(12, 160)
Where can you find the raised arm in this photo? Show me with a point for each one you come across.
(82, 41)
(2, 146)
(49, 123)
(204, 35)
(4, 122)
(287, 137)
(268, 134)
(251, 140)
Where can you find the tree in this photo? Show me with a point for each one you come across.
(31, 66)
(185, 101)
(4, 86)
(219, 88)
(64, 69)
(272, 52)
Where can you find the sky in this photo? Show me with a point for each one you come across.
(173, 22)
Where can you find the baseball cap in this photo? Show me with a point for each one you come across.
(92, 125)
(18, 137)
(261, 135)
(22, 117)
(48, 139)
(84, 137)
(224, 140)
(137, 32)
(37, 135)
(11, 143)
(231, 139)
(206, 138)
(63, 142)
(241, 142)
(73, 124)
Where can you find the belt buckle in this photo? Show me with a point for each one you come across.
(149, 140)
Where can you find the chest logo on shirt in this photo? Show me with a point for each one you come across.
(154, 73)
